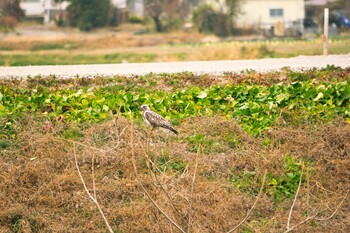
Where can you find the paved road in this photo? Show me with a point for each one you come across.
(199, 67)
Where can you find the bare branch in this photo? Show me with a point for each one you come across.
(329, 217)
(251, 209)
(295, 199)
(143, 188)
(94, 199)
(308, 219)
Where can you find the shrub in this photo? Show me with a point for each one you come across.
(208, 20)
(87, 15)
(135, 19)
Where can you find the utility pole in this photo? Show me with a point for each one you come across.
(325, 32)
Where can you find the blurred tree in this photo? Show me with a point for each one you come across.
(88, 14)
(341, 4)
(11, 8)
(207, 19)
(165, 13)
(233, 8)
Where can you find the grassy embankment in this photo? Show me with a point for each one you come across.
(292, 125)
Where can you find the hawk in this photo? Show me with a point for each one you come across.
(156, 120)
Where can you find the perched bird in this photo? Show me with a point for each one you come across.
(156, 120)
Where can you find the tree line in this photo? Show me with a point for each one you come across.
(165, 15)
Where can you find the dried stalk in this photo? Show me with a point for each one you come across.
(191, 196)
(251, 209)
(93, 198)
(324, 219)
(153, 168)
(295, 199)
(141, 185)
(310, 218)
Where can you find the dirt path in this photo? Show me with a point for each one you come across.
(199, 67)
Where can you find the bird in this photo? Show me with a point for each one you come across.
(156, 120)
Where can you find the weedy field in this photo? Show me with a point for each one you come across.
(257, 152)
(117, 47)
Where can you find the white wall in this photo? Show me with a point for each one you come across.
(41, 8)
(32, 7)
(119, 3)
(256, 13)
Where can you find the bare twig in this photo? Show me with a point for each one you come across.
(329, 217)
(93, 198)
(251, 209)
(308, 219)
(93, 174)
(191, 196)
(308, 193)
(143, 188)
(295, 199)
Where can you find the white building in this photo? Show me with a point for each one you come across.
(267, 13)
(120, 4)
(277, 15)
(136, 7)
(46, 9)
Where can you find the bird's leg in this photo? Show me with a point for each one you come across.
(149, 137)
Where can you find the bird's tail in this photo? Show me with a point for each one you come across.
(172, 130)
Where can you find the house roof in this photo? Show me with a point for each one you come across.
(317, 2)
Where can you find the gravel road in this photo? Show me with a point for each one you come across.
(198, 67)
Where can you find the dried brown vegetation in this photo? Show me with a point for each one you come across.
(41, 191)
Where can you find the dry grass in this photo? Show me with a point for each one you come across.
(42, 192)
(105, 46)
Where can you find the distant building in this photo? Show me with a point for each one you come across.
(268, 13)
(45, 9)
(276, 15)
(136, 7)
(120, 4)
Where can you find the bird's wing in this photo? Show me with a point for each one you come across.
(156, 119)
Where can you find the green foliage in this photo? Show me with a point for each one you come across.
(135, 19)
(73, 133)
(4, 144)
(255, 107)
(167, 163)
(88, 14)
(199, 142)
(20, 224)
(279, 186)
(61, 59)
(54, 46)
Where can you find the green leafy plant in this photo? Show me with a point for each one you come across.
(278, 186)
(256, 107)
(285, 185)
(166, 164)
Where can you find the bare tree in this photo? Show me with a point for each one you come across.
(165, 10)
(11, 8)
